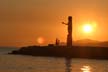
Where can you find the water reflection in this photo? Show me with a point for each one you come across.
(86, 69)
(68, 65)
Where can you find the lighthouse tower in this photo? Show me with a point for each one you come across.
(69, 35)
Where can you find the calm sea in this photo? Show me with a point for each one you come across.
(20, 63)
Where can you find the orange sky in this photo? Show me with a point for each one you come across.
(22, 22)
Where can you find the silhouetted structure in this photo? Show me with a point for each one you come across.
(69, 36)
(57, 42)
(50, 45)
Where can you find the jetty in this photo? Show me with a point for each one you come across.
(64, 51)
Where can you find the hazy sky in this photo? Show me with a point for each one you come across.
(22, 22)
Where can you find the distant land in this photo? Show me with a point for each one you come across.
(82, 42)
(88, 42)
(8, 47)
(5, 50)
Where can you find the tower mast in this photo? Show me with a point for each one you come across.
(69, 35)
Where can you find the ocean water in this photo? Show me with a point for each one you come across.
(22, 63)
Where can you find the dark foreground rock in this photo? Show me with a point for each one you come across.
(63, 51)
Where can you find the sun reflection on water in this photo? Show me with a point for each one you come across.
(86, 69)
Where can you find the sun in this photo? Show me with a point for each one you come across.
(87, 28)
(40, 40)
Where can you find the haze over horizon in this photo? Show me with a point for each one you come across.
(23, 22)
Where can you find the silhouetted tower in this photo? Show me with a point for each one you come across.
(57, 42)
(69, 36)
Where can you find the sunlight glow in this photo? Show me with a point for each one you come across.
(86, 69)
(87, 28)
(40, 40)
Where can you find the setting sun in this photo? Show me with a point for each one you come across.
(87, 28)
(40, 40)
